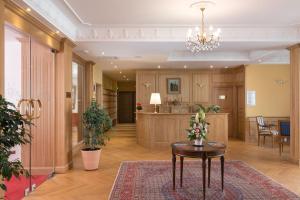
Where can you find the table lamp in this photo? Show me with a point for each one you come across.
(155, 99)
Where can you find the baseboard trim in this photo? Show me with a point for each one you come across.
(63, 169)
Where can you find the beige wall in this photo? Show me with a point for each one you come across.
(271, 99)
(108, 83)
(128, 86)
(97, 73)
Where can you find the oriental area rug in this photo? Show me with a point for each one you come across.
(152, 180)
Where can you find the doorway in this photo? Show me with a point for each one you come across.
(30, 75)
(126, 107)
(77, 102)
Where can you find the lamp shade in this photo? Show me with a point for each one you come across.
(155, 98)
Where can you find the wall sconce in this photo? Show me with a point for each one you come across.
(222, 97)
(147, 84)
(280, 82)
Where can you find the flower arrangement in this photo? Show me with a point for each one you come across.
(139, 106)
(199, 125)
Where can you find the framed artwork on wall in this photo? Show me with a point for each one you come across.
(173, 85)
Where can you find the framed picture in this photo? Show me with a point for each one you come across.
(174, 85)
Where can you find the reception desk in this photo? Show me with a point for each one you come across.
(159, 130)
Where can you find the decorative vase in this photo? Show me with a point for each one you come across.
(91, 159)
(198, 142)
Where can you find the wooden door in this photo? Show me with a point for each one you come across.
(126, 107)
(225, 104)
(38, 82)
(241, 118)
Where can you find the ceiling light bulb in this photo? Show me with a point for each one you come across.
(102, 53)
(211, 66)
(120, 72)
(184, 66)
(226, 67)
(158, 66)
(115, 66)
(28, 9)
(57, 32)
(260, 60)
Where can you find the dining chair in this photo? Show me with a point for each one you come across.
(265, 130)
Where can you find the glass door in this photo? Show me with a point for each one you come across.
(30, 76)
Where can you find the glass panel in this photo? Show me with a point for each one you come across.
(17, 60)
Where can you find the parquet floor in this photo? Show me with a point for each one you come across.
(78, 184)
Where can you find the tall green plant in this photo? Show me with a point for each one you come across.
(96, 122)
(12, 132)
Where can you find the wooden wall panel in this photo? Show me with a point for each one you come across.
(295, 103)
(63, 108)
(201, 88)
(38, 82)
(110, 103)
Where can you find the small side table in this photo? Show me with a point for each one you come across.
(206, 152)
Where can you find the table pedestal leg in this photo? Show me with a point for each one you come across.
(181, 169)
(174, 169)
(209, 166)
(204, 174)
(222, 171)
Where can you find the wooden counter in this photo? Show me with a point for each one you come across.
(159, 130)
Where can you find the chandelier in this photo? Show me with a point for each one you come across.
(198, 39)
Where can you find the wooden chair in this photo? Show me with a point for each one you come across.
(284, 134)
(265, 130)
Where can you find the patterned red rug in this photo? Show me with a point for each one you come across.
(152, 180)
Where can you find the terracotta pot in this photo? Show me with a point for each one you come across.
(91, 159)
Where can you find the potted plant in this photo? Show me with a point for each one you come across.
(198, 124)
(12, 132)
(96, 122)
(139, 106)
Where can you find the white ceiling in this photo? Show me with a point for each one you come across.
(178, 12)
(142, 34)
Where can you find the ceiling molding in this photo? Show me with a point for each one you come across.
(49, 11)
(144, 33)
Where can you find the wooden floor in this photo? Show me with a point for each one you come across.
(79, 184)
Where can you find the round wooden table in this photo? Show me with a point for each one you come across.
(207, 152)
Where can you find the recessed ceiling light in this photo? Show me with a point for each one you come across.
(111, 63)
(158, 66)
(127, 79)
(124, 76)
(57, 32)
(115, 66)
(28, 9)
(211, 66)
(102, 53)
(120, 72)
(226, 67)
(260, 60)
(184, 66)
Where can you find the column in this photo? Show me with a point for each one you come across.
(63, 107)
(89, 83)
(295, 102)
(1, 47)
